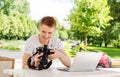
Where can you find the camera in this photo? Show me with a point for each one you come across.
(44, 63)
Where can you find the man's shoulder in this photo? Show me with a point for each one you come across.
(54, 38)
(33, 37)
(56, 43)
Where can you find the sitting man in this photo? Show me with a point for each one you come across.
(47, 27)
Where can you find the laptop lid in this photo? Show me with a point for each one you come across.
(85, 61)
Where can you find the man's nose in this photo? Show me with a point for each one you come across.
(46, 35)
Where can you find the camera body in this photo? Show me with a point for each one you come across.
(46, 52)
(44, 63)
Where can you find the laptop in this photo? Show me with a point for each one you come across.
(83, 62)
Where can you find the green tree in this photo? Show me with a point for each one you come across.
(16, 26)
(114, 10)
(61, 32)
(9, 6)
(63, 35)
(14, 20)
(109, 32)
(114, 33)
(88, 16)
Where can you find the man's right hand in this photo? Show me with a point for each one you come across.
(37, 59)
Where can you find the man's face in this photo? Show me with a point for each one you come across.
(46, 32)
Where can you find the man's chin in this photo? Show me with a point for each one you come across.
(46, 41)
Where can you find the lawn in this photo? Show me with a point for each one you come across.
(18, 45)
(11, 44)
(111, 51)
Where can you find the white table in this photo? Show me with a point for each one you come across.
(53, 72)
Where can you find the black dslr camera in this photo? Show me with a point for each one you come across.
(44, 63)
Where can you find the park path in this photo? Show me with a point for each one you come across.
(17, 55)
(11, 54)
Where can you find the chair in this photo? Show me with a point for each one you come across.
(116, 63)
(6, 63)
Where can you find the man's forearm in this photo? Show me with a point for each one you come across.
(24, 62)
(65, 60)
(25, 67)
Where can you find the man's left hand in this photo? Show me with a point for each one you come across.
(55, 55)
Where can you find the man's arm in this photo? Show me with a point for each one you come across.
(60, 54)
(25, 58)
(64, 58)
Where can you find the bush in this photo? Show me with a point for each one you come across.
(72, 52)
(116, 43)
(63, 35)
(16, 26)
(67, 48)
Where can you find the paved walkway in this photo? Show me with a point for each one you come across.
(17, 55)
(11, 54)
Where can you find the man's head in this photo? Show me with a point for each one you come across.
(47, 28)
(48, 21)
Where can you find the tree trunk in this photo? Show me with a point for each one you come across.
(86, 41)
(105, 44)
(100, 44)
(106, 40)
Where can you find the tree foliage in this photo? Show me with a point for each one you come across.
(89, 16)
(14, 20)
(16, 26)
(10, 6)
(61, 32)
(114, 10)
(113, 31)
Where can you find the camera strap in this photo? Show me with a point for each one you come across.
(40, 67)
(45, 66)
(29, 63)
(49, 64)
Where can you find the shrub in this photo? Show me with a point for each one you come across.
(72, 52)
(67, 48)
(16, 26)
(116, 43)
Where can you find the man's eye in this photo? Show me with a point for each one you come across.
(49, 32)
(43, 31)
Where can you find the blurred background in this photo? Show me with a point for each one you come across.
(86, 25)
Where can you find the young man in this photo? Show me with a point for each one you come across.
(47, 29)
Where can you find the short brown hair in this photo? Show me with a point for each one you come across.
(48, 20)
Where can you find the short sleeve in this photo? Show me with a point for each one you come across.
(56, 43)
(28, 48)
(59, 45)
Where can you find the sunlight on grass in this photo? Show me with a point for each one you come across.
(12, 44)
(111, 51)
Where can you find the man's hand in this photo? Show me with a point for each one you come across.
(37, 59)
(55, 55)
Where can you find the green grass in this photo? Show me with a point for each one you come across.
(111, 51)
(18, 45)
(11, 44)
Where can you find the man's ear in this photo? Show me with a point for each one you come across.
(55, 28)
